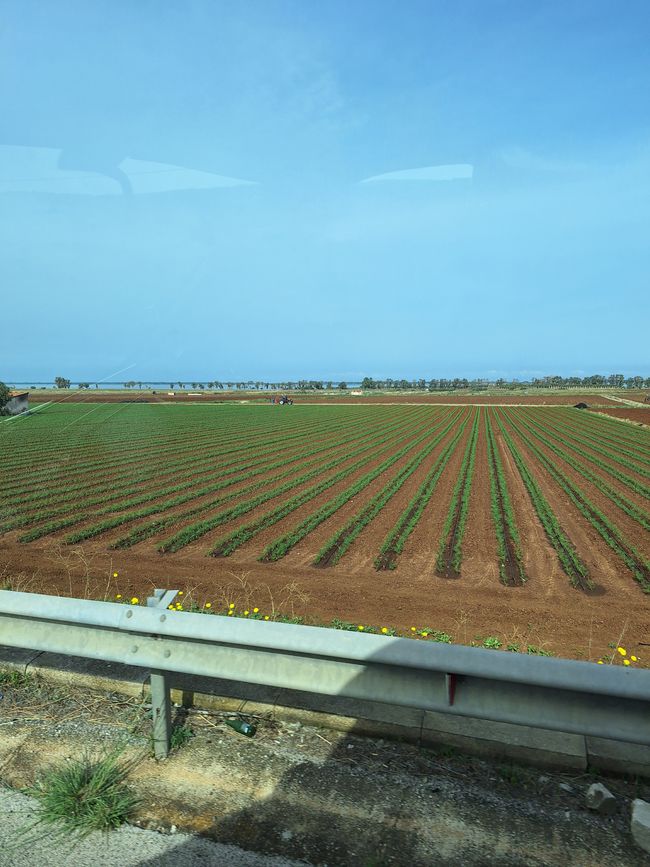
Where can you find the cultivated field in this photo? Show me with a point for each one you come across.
(528, 522)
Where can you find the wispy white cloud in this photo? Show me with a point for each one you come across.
(457, 171)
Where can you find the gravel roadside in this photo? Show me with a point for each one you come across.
(126, 847)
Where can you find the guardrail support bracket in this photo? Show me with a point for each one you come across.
(450, 683)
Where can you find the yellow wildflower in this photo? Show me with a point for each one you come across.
(384, 630)
(360, 628)
(626, 662)
(118, 595)
(622, 651)
(180, 592)
(424, 634)
(413, 629)
(600, 662)
(246, 613)
(266, 616)
(255, 610)
(114, 574)
(634, 659)
(230, 614)
(134, 600)
(232, 605)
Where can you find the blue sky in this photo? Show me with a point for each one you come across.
(270, 189)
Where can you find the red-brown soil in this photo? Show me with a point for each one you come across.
(547, 612)
(631, 413)
(515, 399)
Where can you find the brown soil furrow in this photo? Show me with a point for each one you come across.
(305, 552)
(362, 553)
(627, 526)
(421, 548)
(480, 551)
(605, 568)
(608, 479)
(539, 558)
(639, 416)
(373, 459)
(200, 481)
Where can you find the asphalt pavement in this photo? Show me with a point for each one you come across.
(126, 847)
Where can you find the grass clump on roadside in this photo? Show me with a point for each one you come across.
(85, 795)
(181, 735)
(15, 679)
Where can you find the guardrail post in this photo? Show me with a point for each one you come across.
(161, 712)
(161, 709)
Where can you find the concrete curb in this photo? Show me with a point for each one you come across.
(538, 747)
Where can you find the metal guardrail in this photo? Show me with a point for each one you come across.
(563, 695)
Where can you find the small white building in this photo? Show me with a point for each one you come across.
(17, 403)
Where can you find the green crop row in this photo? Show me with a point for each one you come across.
(394, 542)
(567, 555)
(280, 547)
(234, 446)
(595, 444)
(121, 519)
(196, 531)
(216, 471)
(125, 453)
(127, 517)
(627, 506)
(450, 546)
(573, 440)
(602, 425)
(511, 567)
(605, 528)
(569, 441)
(338, 544)
(153, 528)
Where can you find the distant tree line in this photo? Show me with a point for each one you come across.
(614, 380)
(5, 397)
(256, 385)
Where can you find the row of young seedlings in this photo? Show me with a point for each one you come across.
(232, 445)
(569, 434)
(573, 443)
(450, 546)
(201, 451)
(124, 449)
(281, 546)
(570, 562)
(610, 430)
(195, 531)
(122, 517)
(338, 544)
(154, 528)
(511, 566)
(393, 544)
(624, 503)
(188, 481)
(594, 442)
(637, 564)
